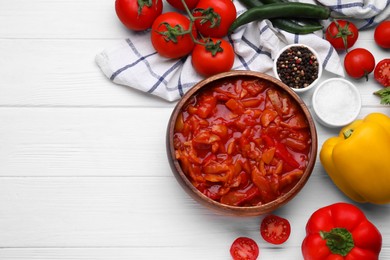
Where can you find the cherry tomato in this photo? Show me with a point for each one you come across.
(221, 15)
(359, 63)
(341, 34)
(214, 57)
(244, 248)
(179, 5)
(382, 72)
(138, 17)
(275, 230)
(168, 38)
(382, 34)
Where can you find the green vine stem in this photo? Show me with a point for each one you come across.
(173, 32)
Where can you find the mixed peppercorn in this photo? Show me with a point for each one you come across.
(297, 67)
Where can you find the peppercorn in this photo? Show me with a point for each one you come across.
(297, 67)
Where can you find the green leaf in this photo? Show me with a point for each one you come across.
(384, 94)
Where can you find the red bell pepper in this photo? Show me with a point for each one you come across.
(341, 231)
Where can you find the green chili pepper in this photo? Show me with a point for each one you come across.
(271, 1)
(281, 10)
(250, 3)
(292, 27)
(302, 26)
(299, 21)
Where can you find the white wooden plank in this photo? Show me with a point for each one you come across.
(68, 19)
(92, 141)
(83, 142)
(89, 142)
(143, 213)
(60, 19)
(169, 253)
(84, 174)
(124, 212)
(64, 73)
(61, 73)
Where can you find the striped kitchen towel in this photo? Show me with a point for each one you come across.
(133, 62)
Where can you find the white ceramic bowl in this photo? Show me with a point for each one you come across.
(303, 89)
(336, 102)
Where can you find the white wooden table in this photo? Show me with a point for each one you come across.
(83, 168)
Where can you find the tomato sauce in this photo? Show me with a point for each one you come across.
(242, 142)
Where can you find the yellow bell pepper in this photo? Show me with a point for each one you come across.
(358, 160)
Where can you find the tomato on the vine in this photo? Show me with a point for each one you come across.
(382, 72)
(215, 56)
(171, 35)
(178, 4)
(138, 15)
(382, 34)
(275, 230)
(341, 34)
(359, 63)
(219, 15)
(244, 248)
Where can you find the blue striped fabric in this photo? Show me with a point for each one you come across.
(133, 62)
(364, 13)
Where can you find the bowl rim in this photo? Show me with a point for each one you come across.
(220, 207)
(315, 107)
(320, 69)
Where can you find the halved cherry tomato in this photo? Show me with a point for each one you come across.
(244, 248)
(382, 72)
(275, 230)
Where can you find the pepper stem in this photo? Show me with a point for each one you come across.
(347, 133)
(338, 240)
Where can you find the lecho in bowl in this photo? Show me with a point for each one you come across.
(241, 143)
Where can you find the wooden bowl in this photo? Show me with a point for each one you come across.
(240, 210)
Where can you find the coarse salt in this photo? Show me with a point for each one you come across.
(336, 102)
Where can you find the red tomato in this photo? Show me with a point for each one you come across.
(359, 63)
(341, 34)
(382, 72)
(211, 59)
(168, 38)
(136, 17)
(179, 5)
(221, 15)
(275, 230)
(382, 34)
(244, 248)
